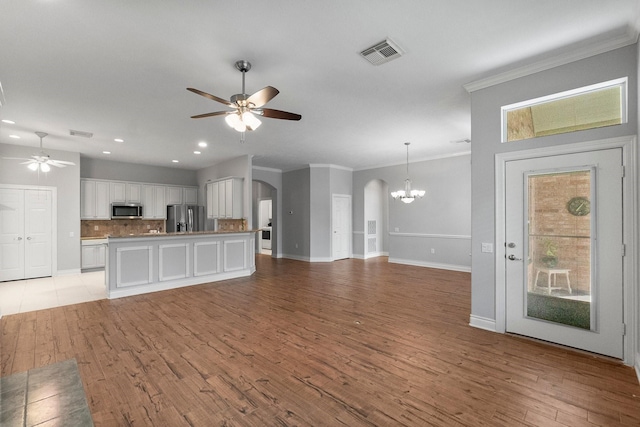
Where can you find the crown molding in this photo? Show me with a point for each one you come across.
(596, 48)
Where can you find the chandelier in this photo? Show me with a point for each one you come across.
(407, 195)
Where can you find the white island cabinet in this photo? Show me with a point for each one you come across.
(156, 262)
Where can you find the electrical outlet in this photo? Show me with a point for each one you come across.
(72, 234)
(397, 229)
(296, 246)
(433, 250)
(148, 226)
(95, 228)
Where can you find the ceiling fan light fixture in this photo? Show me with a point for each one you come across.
(44, 167)
(251, 120)
(33, 166)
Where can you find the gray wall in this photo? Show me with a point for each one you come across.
(67, 182)
(296, 204)
(120, 171)
(485, 134)
(320, 213)
(440, 220)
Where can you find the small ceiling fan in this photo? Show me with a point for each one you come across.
(42, 161)
(245, 108)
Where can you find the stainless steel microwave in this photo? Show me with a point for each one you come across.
(126, 211)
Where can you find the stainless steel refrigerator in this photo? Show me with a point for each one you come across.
(185, 218)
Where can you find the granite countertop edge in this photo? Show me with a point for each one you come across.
(193, 233)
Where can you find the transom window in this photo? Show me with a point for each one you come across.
(589, 107)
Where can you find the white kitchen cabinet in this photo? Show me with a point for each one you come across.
(94, 253)
(134, 192)
(153, 202)
(224, 198)
(190, 195)
(212, 200)
(94, 199)
(118, 192)
(174, 195)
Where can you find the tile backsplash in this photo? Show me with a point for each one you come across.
(120, 227)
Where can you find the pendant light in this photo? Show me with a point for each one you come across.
(407, 195)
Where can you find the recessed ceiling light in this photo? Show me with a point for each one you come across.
(106, 152)
(119, 140)
(202, 144)
(197, 152)
(10, 122)
(175, 161)
(14, 136)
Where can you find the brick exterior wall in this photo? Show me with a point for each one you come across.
(551, 221)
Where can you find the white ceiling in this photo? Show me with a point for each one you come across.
(120, 69)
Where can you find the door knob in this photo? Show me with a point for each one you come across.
(513, 258)
(19, 238)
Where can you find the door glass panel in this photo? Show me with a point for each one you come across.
(559, 285)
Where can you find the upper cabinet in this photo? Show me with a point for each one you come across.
(134, 192)
(97, 196)
(153, 201)
(118, 192)
(94, 199)
(224, 198)
(190, 195)
(125, 192)
(174, 195)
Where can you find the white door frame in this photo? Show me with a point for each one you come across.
(630, 229)
(54, 218)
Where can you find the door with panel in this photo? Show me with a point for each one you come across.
(564, 238)
(26, 233)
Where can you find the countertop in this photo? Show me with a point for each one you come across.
(193, 233)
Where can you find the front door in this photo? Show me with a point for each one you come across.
(564, 250)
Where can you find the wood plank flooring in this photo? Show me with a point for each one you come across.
(353, 343)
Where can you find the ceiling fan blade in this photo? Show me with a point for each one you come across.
(16, 158)
(217, 113)
(60, 163)
(211, 97)
(28, 161)
(262, 96)
(277, 114)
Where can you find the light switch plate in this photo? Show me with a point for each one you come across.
(487, 248)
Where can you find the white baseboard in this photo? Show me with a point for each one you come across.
(453, 267)
(296, 257)
(482, 323)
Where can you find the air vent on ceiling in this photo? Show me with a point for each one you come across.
(80, 133)
(382, 52)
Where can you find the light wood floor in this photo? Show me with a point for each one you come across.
(353, 343)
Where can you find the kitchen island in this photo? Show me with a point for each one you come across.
(138, 264)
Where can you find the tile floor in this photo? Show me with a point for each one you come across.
(20, 296)
(48, 396)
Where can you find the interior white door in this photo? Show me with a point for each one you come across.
(37, 232)
(549, 299)
(341, 224)
(11, 234)
(25, 233)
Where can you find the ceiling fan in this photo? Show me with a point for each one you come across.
(245, 108)
(42, 161)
